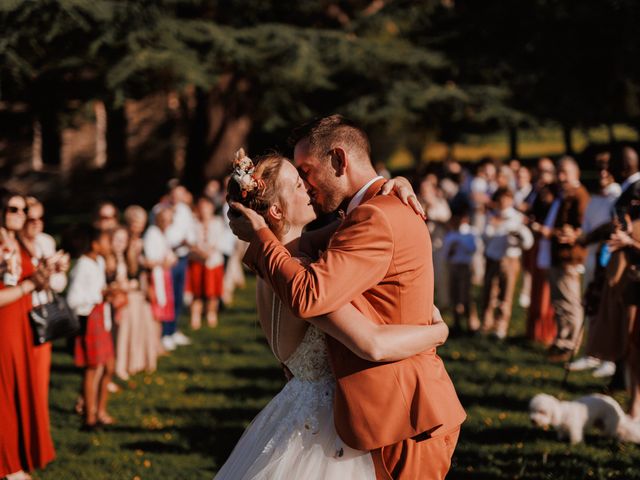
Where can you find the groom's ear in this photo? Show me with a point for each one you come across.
(339, 160)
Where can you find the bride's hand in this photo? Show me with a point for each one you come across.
(403, 189)
(245, 225)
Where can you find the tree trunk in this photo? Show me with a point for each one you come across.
(116, 136)
(101, 134)
(219, 125)
(567, 137)
(513, 142)
(233, 136)
(36, 146)
(612, 134)
(50, 131)
(196, 151)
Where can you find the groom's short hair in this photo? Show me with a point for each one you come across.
(328, 132)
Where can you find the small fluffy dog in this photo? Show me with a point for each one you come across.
(571, 418)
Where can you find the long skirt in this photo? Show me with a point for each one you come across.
(609, 328)
(137, 346)
(541, 325)
(25, 439)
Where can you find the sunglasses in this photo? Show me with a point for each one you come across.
(12, 209)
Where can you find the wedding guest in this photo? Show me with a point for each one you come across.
(505, 237)
(25, 439)
(161, 259)
(607, 341)
(506, 178)
(482, 188)
(458, 249)
(88, 296)
(630, 242)
(598, 214)
(145, 333)
(105, 216)
(438, 213)
(524, 189)
(206, 267)
(214, 191)
(541, 326)
(42, 250)
(180, 236)
(118, 280)
(561, 230)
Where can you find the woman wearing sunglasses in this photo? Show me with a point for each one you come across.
(25, 439)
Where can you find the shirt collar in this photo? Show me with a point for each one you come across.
(629, 181)
(357, 198)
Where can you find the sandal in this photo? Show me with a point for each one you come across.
(79, 407)
(105, 419)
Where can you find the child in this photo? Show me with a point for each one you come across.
(88, 296)
(458, 249)
(505, 236)
(206, 267)
(160, 259)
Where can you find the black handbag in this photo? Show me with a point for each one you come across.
(53, 320)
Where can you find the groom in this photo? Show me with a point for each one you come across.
(407, 413)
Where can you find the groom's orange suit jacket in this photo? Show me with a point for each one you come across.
(380, 260)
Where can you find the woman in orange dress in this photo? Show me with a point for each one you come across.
(25, 439)
(541, 325)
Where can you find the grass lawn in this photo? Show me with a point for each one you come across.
(182, 421)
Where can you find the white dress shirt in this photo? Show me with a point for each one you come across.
(209, 238)
(629, 181)
(181, 230)
(157, 249)
(357, 198)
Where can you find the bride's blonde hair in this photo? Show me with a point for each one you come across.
(260, 199)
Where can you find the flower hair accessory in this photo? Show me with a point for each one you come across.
(243, 169)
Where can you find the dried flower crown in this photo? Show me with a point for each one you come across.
(243, 174)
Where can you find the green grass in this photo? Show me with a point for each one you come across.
(182, 421)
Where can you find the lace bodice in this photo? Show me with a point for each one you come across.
(310, 361)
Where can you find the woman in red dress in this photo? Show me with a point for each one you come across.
(25, 439)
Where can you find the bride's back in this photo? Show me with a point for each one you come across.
(287, 333)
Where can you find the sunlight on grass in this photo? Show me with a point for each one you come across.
(182, 421)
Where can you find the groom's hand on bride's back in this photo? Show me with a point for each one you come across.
(244, 222)
(402, 188)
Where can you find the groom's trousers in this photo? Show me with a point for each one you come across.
(415, 458)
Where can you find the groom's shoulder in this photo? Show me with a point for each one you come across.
(390, 205)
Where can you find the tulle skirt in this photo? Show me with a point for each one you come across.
(294, 437)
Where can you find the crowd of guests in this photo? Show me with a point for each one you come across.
(131, 276)
(576, 252)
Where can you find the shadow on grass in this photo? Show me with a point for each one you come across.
(233, 392)
(251, 373)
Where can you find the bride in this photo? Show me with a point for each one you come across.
(294, 437)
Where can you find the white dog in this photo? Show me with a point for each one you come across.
(571, 418)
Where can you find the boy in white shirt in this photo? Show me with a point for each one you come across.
(505, 237)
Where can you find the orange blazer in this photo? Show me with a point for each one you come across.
(380, 260)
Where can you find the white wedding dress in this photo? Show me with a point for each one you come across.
(294, 437)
